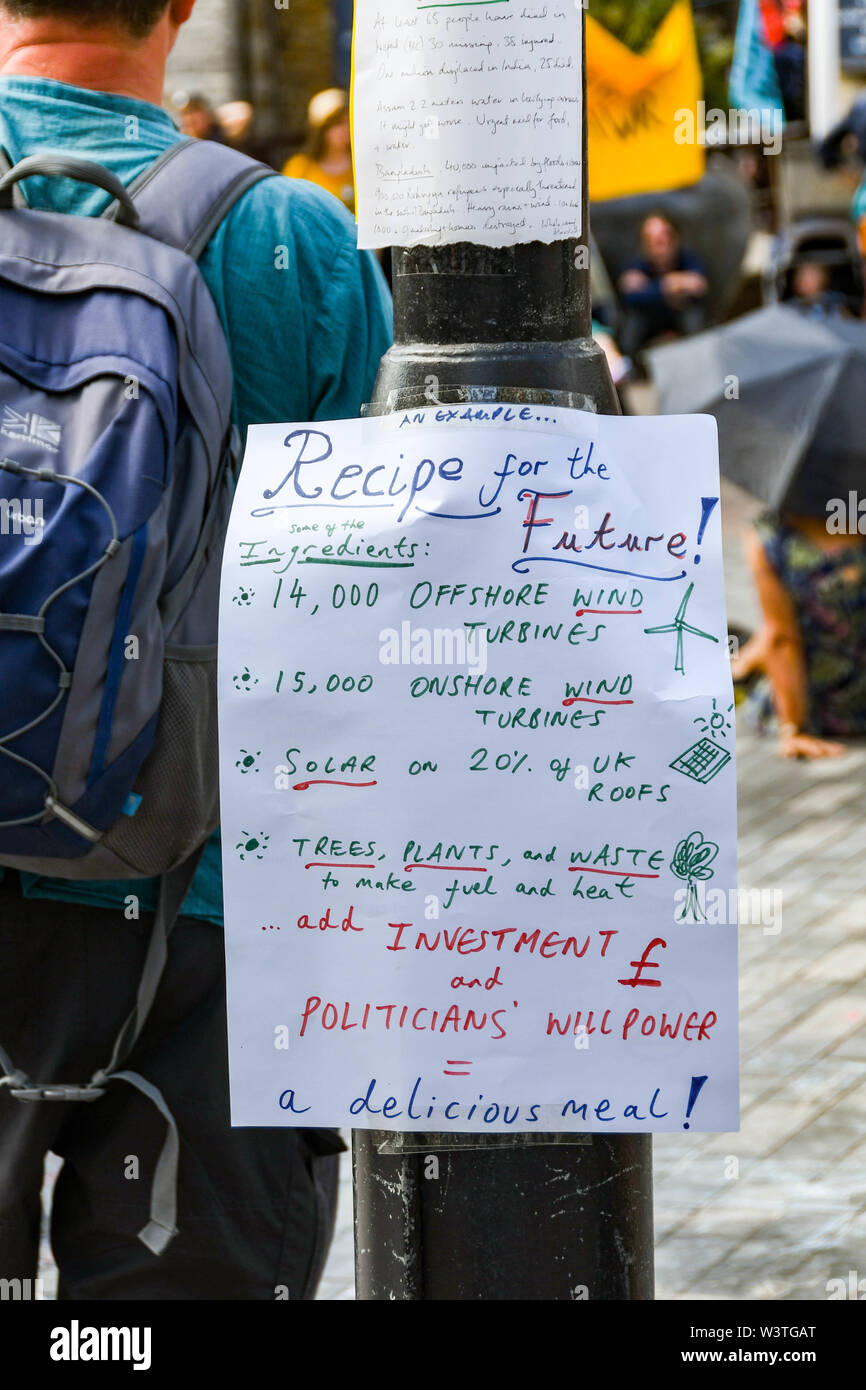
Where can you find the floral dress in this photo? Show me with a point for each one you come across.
(829, 594)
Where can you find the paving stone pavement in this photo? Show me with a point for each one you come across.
(777, 1210)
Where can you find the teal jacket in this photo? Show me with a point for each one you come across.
(306, 315)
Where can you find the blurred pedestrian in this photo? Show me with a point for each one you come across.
(327, 159)
(236, 121)
(808, 659)
(664, 290)
(858, 202)
(784, 24)
(198, 117)
(844, 150)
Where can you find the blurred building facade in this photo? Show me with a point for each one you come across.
(273, 53)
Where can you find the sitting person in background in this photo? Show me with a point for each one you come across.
(810, 653)
(811, 282)
(327, 159)
(811, 290)
(664, 290)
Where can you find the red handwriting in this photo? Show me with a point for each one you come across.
(321, 864)
(324, 923)
(695, 1028)
(579, 612)
(491, 982)
(553, 1023)
(466, 941)
(532, 520)
(588, 700)
(328, 782)
(669, 1030)
(454, 868)
(394, 1016)
(645, 964)
(625, 873)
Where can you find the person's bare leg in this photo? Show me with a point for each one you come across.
(751, 657)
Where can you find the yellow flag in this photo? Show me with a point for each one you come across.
(632, 105)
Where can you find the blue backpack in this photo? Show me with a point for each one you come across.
(117, 461)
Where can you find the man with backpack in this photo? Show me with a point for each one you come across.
(120, 414)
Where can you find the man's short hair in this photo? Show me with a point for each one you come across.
(659, 215)
(136, 16)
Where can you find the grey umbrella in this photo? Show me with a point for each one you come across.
(788, 389)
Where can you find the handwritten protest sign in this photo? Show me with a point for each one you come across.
(467, 122)
(478, 806)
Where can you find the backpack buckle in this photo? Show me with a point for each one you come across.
(57, 1092)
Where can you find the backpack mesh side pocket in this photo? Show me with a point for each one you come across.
(179, 781)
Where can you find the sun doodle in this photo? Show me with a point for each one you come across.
(247, 760)
(245, 680)
(252, 846)
(717, 722)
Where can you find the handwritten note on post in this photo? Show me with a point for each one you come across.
(467, 122)
(477, 756)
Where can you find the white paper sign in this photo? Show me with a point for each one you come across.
(467, 122)
(478, 796)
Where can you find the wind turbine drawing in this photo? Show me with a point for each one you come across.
(679, 626)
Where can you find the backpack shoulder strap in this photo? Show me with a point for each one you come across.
(186, 193)
(18, 199)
